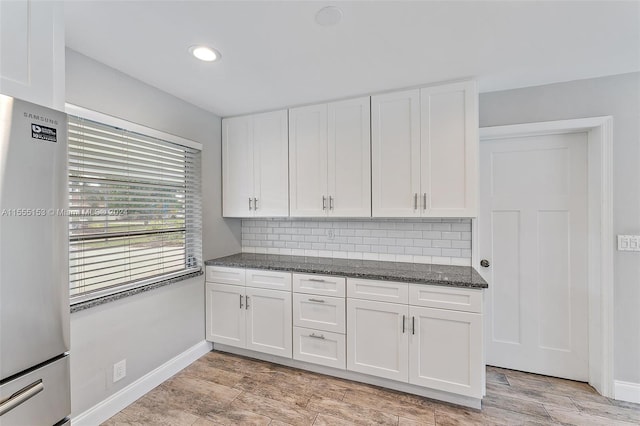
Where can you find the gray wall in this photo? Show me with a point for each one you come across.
(618, 96)
(150, 328)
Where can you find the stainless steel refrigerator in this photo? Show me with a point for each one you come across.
(34, 293)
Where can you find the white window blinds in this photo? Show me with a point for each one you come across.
(134, 209)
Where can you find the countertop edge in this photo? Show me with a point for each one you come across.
(341, 272)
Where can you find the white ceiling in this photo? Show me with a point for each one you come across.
(274, 55)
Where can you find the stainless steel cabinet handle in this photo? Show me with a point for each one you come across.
(424, 201)
(246, 302)
(255, 204)
(403, 319)
(249, 203)
(316, 336)
(316, 300)
(324, 202)
(413, 325)
(415, 201)
(316, 280)
(241, 302)
(330, 202)
(22, 396)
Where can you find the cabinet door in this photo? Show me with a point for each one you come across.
(349, 151)
(225, 314)
(445, 350)
(308, 161)
(271, 164)
(449, 150)
(237, 167)
(377, 339)
(395, 154)
(269, 325)
(32, 51)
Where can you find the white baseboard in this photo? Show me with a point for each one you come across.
(627, 391)
(124, 397)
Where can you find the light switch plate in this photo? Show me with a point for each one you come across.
(629, 242)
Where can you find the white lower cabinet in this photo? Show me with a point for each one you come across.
(377, 339)
(268, 321)
(258, 319)
(445, 350)
(414, 334)
(225, 314)
(435, 348)
(319, 320)
(319, 347)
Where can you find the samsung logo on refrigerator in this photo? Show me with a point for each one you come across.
(40, 118)
(43, 133)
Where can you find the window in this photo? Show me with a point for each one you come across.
(134, 209)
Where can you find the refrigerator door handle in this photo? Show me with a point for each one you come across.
(22, 396)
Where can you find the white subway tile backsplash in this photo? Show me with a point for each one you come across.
(441, 243)
(431, 235)
(441, 227)
(450, 235)
(433, 240)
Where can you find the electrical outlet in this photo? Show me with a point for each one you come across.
(331, 234)
(629, 242)
(119, 370)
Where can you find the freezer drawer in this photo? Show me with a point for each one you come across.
(51, 400)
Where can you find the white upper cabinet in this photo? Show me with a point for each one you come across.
(329, 159)
(237, 166)
(254, 164)
(349, 164)
(308, 161)
(270, 159)
(449, 149)
(395, 146)
(425, 152)
(32, 51)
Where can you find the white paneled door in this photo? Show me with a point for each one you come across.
(532, 228)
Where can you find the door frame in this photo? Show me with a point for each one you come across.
(600, 232)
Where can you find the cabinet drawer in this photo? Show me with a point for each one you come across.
(225, 275)
(319, 347)
(275, 280)
(383, 291)
(319, 312)
(319, 284)
(456, 299)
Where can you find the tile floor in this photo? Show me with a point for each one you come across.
(225, 389)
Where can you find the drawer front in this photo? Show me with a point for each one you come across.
(319, 347)
(319, 284)
(382, 291)
(45, 399)
(275, 280)
(224, 275)
(456, 299)
(319, 312)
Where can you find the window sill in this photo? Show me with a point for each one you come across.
(81, 306)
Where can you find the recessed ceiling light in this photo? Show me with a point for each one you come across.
(328, 16)
(205, 53)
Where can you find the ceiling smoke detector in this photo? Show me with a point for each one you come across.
(329, 16)
(205, 53)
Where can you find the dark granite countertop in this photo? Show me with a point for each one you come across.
(445, 275)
